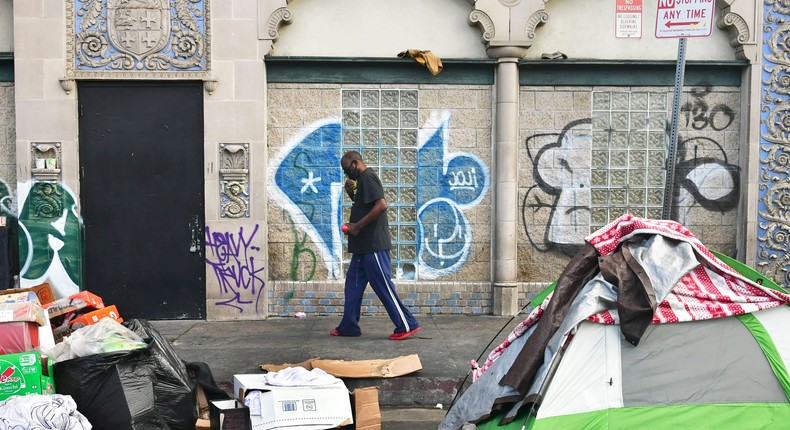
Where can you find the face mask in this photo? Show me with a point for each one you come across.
(351, 172)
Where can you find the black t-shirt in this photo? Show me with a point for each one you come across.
(376, 235)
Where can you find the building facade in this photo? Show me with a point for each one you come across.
(181, 157)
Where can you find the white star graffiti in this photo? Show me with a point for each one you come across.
(309, 182)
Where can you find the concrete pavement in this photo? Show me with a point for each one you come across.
(445, 345)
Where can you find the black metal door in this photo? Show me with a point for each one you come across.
(141, 192)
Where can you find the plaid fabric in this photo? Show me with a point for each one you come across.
(712, 290)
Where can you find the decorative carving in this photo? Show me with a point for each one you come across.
(485, 23)
(536, 19)
(46, 200)
(45, 161)
(234, 170)
(737, 26)
(138, 39)
(210, 85)
(739, 18)
(67, 85)
(773, 217)
(509, 3)
(276, 19)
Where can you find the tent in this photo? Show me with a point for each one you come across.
(644, 329)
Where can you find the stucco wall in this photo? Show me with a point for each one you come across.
(382, 28)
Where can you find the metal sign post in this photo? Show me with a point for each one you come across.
(669, 183)
(680, 19)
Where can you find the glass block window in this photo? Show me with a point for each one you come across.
(382, 125)
(628, 153)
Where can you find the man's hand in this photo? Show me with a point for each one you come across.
(350, 186)
(353, 228)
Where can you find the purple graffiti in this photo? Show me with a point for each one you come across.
(232, 258)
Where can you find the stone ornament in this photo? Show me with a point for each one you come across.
(144, 39)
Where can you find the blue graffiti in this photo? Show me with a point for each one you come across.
(308, 185)
(447, 184)
(232, 257)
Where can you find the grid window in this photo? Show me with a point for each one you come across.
(628, 170)
(383, 126)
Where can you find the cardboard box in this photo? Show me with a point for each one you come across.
(229, 415)
(84, 300)
(80, 321)
(303, 407)
(25, 373)
(93, 317)
(385, 368)
(18, 336)
(23, 311)
(42, 291)
(27, 296)
(367, 414)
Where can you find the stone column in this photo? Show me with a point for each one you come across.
(505, 283)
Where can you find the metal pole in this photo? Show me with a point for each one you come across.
(669, 183)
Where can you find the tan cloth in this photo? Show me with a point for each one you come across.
(426, 58)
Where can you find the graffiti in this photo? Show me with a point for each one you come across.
(307, 183)
(447, 184)
(299, 249)
(232, 258)
(708, 181)
(7, 204)
(701, 116)
(561, 194)
(50, 245)
(306, 178)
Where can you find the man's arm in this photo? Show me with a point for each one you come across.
(379, 207)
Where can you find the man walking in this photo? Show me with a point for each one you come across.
(369, 243)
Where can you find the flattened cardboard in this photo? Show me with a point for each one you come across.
(367, 414)
(383, 368)
(387, 368)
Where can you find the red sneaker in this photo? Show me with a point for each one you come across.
(403, 334)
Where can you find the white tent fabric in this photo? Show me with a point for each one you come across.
(596, 349)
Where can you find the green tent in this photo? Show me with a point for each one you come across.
(644, 329)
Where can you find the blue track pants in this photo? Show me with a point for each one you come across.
(373, 268)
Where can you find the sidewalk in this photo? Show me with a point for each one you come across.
(445, 346)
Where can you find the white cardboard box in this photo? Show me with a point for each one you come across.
(296, 408)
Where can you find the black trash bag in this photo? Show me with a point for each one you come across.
(200, 372)
(114, 390)
(173, 388)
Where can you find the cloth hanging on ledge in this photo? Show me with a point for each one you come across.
(426, 58)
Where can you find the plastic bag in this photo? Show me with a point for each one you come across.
(173, 389)
(114, 390)
(107, 335)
